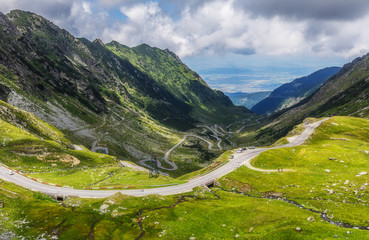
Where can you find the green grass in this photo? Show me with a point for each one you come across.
(338, 145)
(222, 159)
(105, 176)
(31, 123)
(238, 217)
(32, 215)
(231, 216)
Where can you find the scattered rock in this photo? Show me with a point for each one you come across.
(347, 182)
(330, 191)
(104, 208)
(361, 174)
(298, 229)
(192, 238)
(335, 236)
(252, 228)
(327, 170)
(311, 219)
(348, 232)
(272, 194)
(331, 158)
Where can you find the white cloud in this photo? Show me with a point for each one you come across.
(216, 27)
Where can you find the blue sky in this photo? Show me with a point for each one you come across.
(235, 45)
(252, 73)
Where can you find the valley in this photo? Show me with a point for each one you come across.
(105, 141)
(312, 193)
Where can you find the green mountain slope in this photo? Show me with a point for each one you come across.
(344, 94)
(172, 74)
(98, 97)
(42, 152)
(291, 93)
(247, 100)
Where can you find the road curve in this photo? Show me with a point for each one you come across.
(240, 159)
(172, 164)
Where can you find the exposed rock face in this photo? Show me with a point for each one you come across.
(49, 62)
(4, 92)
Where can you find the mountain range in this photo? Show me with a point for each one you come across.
(291, 93)
(247, 100)
(206, 169)
(345, 94)
(106, 93)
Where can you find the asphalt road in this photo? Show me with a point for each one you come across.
(239, 159)
(172, 164)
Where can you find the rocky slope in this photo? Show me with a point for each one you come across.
(291, 93)
(97, 96)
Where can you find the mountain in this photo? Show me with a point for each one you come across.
(173, 75)
(291, 93)
(97, 96)
(346, 93)
(247, 100)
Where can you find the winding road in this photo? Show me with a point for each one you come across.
(166, 156)
(239, 159)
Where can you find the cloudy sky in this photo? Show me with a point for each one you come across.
(236, 45)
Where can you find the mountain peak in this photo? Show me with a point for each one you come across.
(99, 41)
(175, 56)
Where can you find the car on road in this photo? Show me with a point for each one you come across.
(252, 147)
(244, 148)
(239, 150)
(10, 172)
(231, 157)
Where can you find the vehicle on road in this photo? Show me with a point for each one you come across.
(244, 148)
(10, 172)
(231, 157)
(252, 147)
(239, 150)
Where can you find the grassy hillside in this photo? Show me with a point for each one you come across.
(41, 151)
(326, 172)
(343, 94)
(171, 73)
(245, 205)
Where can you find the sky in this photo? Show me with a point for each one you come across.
(235, 45)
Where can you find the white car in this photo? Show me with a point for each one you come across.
(10, 172)
(239, 150)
